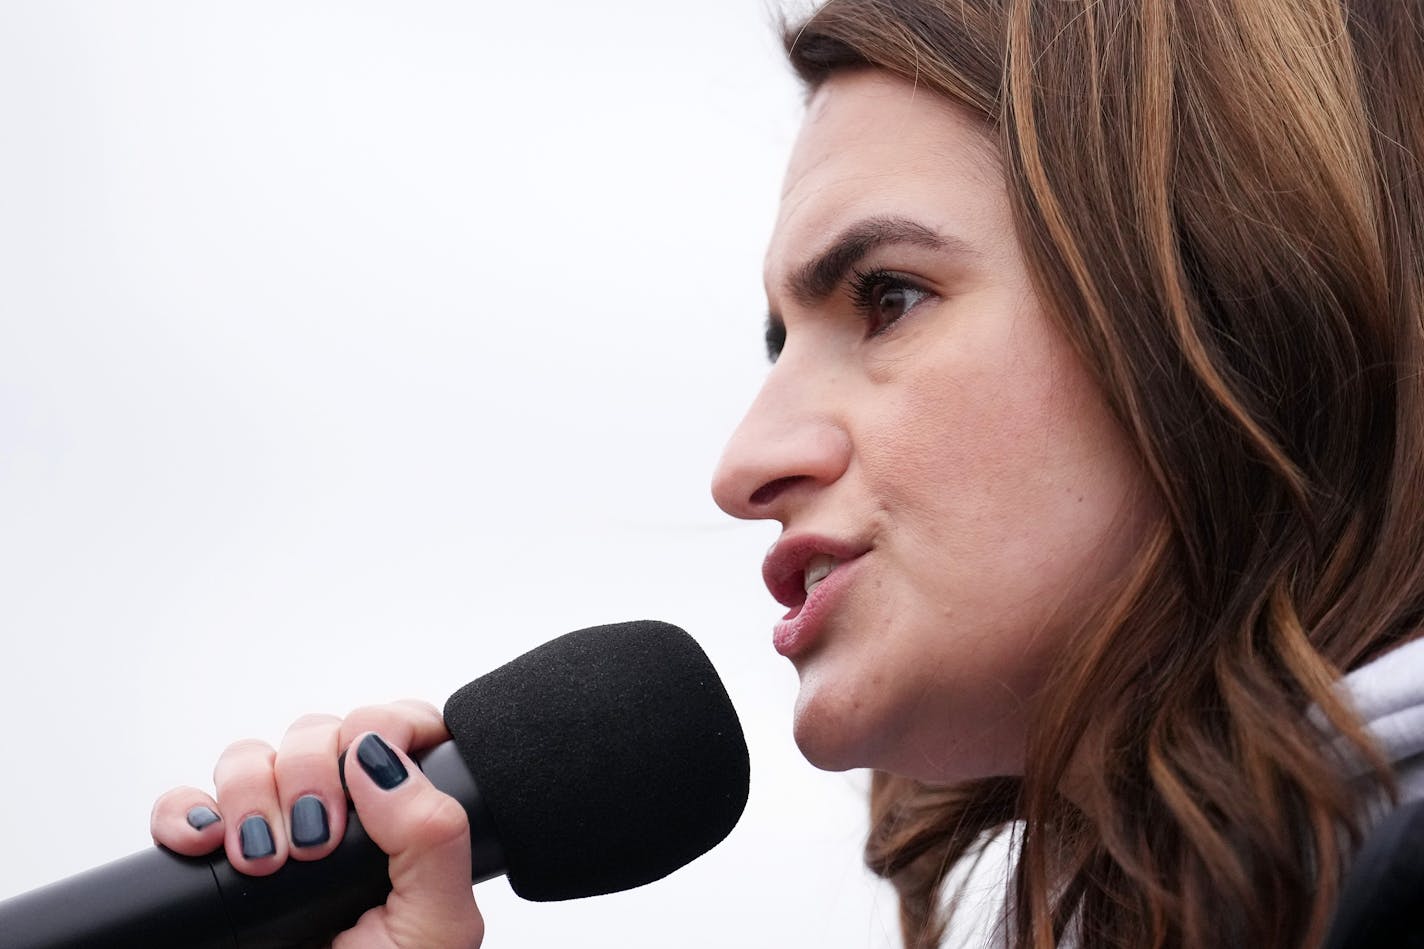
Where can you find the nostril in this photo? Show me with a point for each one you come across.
(768, 492)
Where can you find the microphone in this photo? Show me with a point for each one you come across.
(600, 761)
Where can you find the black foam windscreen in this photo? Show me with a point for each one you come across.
(607, 758)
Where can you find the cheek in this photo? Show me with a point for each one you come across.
(962, 446)
(999, 472)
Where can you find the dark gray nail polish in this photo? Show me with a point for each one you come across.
(256, 838)
(377, 760)
(309, 824)
(201, 816)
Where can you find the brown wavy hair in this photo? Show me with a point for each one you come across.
(1221, 202)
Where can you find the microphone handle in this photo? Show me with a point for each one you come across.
(157, 899)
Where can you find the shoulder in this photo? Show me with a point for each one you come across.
(1382, 902)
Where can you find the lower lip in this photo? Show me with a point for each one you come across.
(798, 630)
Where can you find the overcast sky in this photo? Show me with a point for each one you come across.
(350, 349)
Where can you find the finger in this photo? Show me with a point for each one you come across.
(187, 821)
(427, 837)
(409, 724)
(247, 797)
(309, 786)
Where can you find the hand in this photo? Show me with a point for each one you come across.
(272, 806)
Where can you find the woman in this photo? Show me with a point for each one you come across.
(1093, 429)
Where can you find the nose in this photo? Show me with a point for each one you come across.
(791, 444)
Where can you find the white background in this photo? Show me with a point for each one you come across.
(350, 349)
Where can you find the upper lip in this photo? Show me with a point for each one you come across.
(784, 569)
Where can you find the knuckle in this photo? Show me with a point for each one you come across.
(440, 820)
(314, 720)
(248, 747)
(418, 707)
(244, 762)
(245, 786)
(365, 713)
(366, 718)
(306, 766)
(382, 719)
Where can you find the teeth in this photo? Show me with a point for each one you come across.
(818, 569)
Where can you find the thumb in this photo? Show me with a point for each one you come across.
(426, 835)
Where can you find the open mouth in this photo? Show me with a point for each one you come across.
(818, 569)
(797, 565)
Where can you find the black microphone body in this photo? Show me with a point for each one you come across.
(599, 761)
(161, 900)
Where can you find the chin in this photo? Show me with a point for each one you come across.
(826, 752)
(837, 729)
(832, 735)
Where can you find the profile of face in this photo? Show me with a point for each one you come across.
(927, 433)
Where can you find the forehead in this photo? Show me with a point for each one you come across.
(874, 145)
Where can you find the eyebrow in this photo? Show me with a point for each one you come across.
(819, 277)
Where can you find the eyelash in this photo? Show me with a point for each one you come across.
(866, 284)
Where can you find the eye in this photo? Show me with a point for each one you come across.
(775, 337)
(883, 297)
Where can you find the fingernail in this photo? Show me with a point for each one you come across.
(256, 838)
(200, 817)
(380, 762)
(309, 824)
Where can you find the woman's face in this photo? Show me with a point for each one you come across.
(928, 434)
